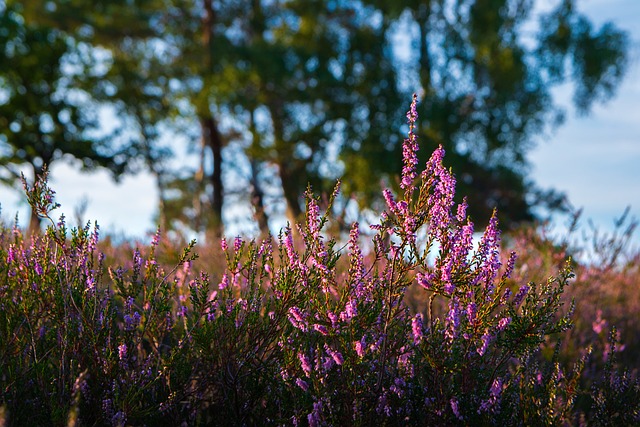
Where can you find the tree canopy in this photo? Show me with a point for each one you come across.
(279, 94)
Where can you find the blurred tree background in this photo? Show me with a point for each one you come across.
(277, 94)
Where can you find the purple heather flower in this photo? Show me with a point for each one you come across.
(128, 322)
(486, 338)
(119, 419)
(356, 268)
(122, 351)
(489, 252)
(156, 238)
(237, 244)
(297, 319)
(11, 254)
(288, 244)
(335, 355)
(223, 244)
(510, 265)
(315, 417)
(388, 197)
(333, 318)
(425, 280)
(350, 310)
(320, 328)
(409, 228)
(599, 324)
(453, 320)
(461, 212)
(471, 312)
(313, 217)
(360, 347)
(305, 363)
(505, 297)
(494, 396)
(328, 364)
(398, 387)
(445, 277)
(462, 244)
(455, 409)
(225, 282)
(503, 323)
(524, 290)
(38, 268)
(410, 148)
(416, 328)
(302, 384)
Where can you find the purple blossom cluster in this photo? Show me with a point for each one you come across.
(306, 329)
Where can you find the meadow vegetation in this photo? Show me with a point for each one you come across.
(414, 322)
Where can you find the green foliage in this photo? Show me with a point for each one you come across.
(302, 90)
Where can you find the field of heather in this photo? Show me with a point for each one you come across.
(412, 322)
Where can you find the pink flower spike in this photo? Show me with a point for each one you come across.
(409, 149)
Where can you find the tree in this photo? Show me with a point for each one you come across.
(487, 69)
(309, 90)
(43, 117)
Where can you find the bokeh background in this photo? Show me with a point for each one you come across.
(593, 158)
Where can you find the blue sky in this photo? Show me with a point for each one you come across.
(594, 159)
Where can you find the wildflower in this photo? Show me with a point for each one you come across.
(313, 217)
(461, 210)
(154, 242)
(302, 384)
(122, 351)
(297, 319)
(320, 328)
(455, 409)
(524, 290)
(494, 397)
(416, 328)
(288, 245)
(388, 197)
(119, 419)
(335, 355)
(305, 363)
(503, 323)
(350, 310)
(471, 312)
(599, 324)
(425, 280)
(225, 282)
(410, 148)
(486, 338)
(453, 320)
(510, 265)
(315, 417)
(360, 346)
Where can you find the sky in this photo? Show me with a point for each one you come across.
(594, 159)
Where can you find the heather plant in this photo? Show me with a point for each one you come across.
(302, 329)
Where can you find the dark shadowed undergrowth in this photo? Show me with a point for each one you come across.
(428, 328)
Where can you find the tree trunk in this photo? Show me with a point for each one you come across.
(35, 221)
(257, 193)
(213, 140)
(290, 189)
(211, 134)
(423, 13)
(257, 200)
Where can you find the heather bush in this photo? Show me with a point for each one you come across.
(428, 328)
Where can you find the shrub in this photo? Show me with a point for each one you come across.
(300, 330)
